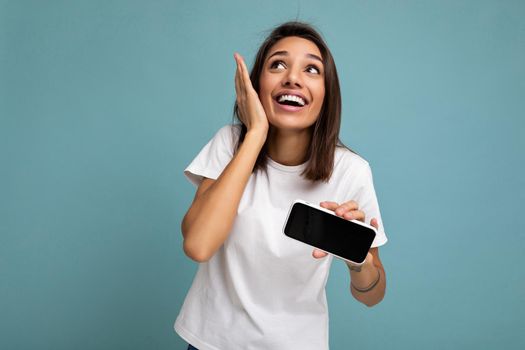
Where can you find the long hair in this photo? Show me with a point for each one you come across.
(325, 131)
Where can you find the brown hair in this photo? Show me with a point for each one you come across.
(325, 131)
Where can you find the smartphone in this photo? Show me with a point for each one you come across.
(321, 228)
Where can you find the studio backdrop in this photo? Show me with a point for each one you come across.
(104, 103)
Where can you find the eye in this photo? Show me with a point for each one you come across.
(313, 69)
(277, 65)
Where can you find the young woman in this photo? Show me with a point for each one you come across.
(256, 288)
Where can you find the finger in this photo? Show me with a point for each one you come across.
(238, 73)
(238, 58)
(237, 81)
(329, 205)
(318, 254)
(242, 87)
(354, 215)
(374, 223)
(245, 75)
(240, 65)
(347, 206)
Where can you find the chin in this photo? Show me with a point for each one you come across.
(290, 122)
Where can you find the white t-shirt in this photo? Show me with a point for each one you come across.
(262, 290)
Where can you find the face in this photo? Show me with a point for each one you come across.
(291, 86)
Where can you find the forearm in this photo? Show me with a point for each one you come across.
(364, 279)
(210, 217)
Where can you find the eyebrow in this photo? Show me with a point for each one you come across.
(285, 53)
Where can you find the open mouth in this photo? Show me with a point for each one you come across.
(291, 100)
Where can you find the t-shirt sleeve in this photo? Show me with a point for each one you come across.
(214, 157)
(367, 200)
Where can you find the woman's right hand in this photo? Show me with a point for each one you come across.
(251, 111)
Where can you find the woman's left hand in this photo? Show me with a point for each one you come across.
(350, 211)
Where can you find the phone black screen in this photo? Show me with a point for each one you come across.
(328, 232)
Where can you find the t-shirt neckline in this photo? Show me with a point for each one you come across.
(286, 168)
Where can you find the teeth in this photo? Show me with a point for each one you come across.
(292, 98)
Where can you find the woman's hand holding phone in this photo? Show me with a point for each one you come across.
(350, 211)
(251, 111)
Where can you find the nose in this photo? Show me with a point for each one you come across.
(292, 78)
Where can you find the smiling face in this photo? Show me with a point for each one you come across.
(291, 86)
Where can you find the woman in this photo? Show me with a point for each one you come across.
(255, 287)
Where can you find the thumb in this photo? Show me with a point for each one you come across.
(374, 223)
(318, 254)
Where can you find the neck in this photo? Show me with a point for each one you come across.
(288, 147)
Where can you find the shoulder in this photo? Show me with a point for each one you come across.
(230, 129)
(349, 161)
(227, 136)
(229, 132)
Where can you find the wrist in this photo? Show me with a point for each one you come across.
(369, 286)
(258, 136)
(367, 265)
(366, 278)
(355, 268)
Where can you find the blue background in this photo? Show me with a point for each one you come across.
(103, 104)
